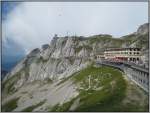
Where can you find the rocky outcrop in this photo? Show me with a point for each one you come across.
(64, 56)
(143, 29)
(140, 39)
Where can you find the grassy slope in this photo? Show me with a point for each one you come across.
(10, 105)
(106, 99)
(108, 89)
(97, 100)
(110, 93)
(8, 85)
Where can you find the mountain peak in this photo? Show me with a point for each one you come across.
(48, 70)
(143, 29)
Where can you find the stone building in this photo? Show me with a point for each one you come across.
(123, 54)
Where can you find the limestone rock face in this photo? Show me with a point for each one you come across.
(143, 29)
(53, 62)
(63, 55)
(60, 59)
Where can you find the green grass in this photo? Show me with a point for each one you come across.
(106, 92)
(8, 85)
(10, 105)
(31, 108)
(79, 48)
(100, 38)
(94, 72)
(117, 42)
(108, 98)
(87, 47)
(54, 108)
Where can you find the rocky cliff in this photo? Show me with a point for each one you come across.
(64, 56)
(140, 39)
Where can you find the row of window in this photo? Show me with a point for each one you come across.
(134, 49)
(123, 53)
(134, 59)
(129, 49)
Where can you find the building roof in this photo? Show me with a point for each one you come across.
(118, 49)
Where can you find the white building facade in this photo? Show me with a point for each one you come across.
(123, 54)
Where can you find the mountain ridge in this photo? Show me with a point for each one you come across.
(54, 63)
(76, 49)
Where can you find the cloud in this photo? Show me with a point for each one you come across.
(32, 24)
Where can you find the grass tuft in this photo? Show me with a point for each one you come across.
(10, 105)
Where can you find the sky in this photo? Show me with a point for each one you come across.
(28, 25)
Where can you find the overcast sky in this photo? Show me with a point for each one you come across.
(31, 24)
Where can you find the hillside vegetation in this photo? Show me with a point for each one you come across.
(101, 89)
(62, 76)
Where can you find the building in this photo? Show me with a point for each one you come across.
(100, 56)
(139, 75)
(123, 54)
